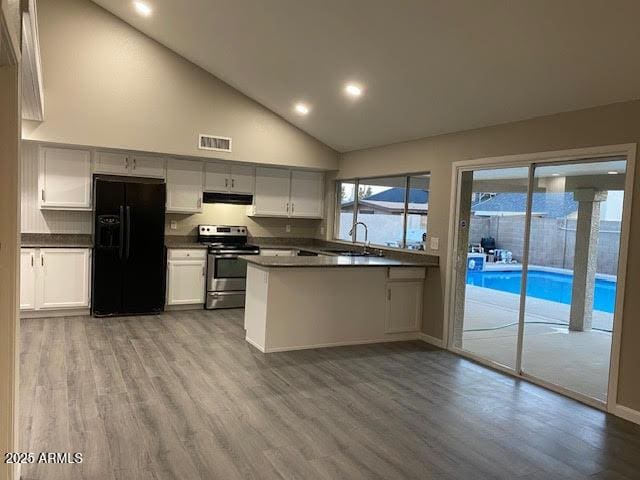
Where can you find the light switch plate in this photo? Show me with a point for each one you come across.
(287, 228)
(173, 225)
(434, 243)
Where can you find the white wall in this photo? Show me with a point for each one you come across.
(108, 85)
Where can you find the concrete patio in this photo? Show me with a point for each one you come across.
(578, 361)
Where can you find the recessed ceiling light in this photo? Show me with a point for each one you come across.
(142, 8)
(353, 90)
(301, 108)
(612, 173)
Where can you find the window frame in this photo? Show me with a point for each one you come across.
(356, 188)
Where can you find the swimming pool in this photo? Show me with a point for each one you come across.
(555, 287)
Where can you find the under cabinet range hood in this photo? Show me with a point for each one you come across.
(233, 198)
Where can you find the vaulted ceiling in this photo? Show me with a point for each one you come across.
(428, 66)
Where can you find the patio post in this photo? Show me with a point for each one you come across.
(585, 258)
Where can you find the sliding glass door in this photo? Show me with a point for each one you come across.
(535, 270)
(574, 241)
(491, 229)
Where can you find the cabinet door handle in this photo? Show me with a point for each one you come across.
(233, 183)
(42, 194)
(203, 271)
(42, 260)
(389, 294)
(226, 183)
(126, 162)
(199, 202)
(134, 163)
(287, 208)
(293, 206)
(32, 259)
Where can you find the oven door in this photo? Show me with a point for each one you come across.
(226, 272)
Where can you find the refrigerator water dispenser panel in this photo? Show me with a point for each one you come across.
(108, 234)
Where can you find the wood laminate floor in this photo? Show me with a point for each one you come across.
(183, 396)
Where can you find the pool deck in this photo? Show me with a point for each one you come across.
(575, 360)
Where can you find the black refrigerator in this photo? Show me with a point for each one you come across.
(129, 254)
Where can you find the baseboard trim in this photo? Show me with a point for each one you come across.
(627, 413)
(178, 308)
(69, 312)
(436, 342)
(255, 344)
(397, 338)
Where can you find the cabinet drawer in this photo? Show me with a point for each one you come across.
(187, 254)
(406, 273)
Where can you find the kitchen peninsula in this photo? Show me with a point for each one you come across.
(295, 303)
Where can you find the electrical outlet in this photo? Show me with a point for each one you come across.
(173, 225)
(287, 228)
(434, 243)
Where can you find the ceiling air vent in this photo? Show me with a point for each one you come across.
(210, 142)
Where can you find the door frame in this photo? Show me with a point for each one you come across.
(628, 151)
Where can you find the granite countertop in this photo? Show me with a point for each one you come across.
(183, 241)
(333, 261)
(56, 240)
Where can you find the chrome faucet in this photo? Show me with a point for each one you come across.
(366, 234)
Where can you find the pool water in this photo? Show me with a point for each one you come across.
(555, 287)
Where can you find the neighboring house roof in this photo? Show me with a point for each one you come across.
(396, 195)
(544, 204)
(392, 199)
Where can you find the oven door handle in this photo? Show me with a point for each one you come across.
(230, 255)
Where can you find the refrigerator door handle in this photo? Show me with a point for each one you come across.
(128, 247)
(121, 246)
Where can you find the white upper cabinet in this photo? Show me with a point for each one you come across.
(243, 179)
(307, 189)
(184, 186)
(129, 164)
(221, 177)
(112, 163)
(27, 279)
(147, 166)
(64, 179)
(282, 192)
(216, 177)
(271, 197)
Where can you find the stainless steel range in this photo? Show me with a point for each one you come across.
(226, 274)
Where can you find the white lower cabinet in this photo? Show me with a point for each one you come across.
(404, 306)
(186, 277)
(54, 278)
(27, 279)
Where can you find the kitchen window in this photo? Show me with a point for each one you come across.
(393, 208)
